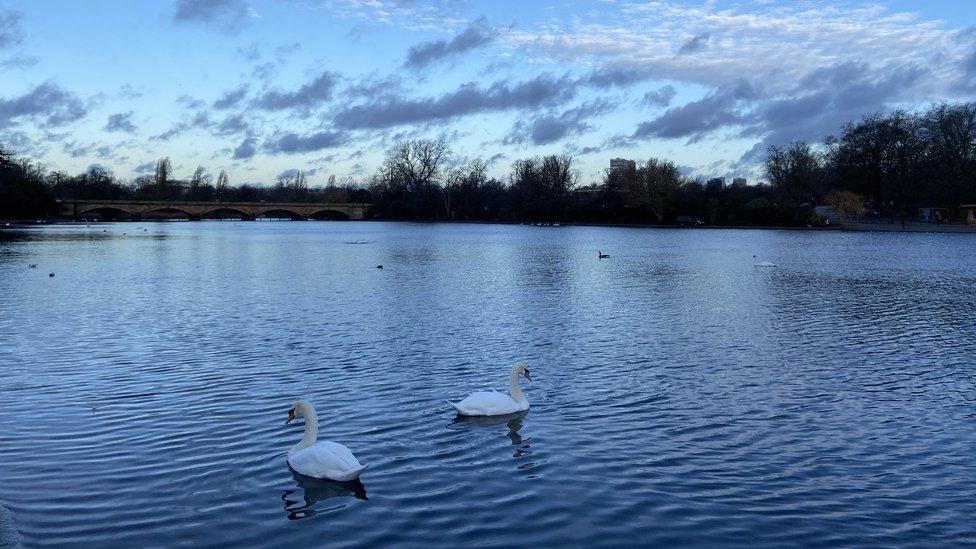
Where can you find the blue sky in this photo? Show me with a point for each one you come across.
(259, 87)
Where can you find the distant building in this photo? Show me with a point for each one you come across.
(617, 164)
(715, 184)
(739, 182)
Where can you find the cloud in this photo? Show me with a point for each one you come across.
(246, 149)
(77, 150)
(615, 76)
(47, 103)
(494, 159)
(543, 90)
(431, 15)
(127, 91)
(659, 98)
(226, 14)
(294, 143)
(772, 44)
(121, 122)
(11, 33)
(695, 120)
(231, 125)
(293, 173)
(316, 92)
(424, 54)
(825, 100)
(21, 62)
(231, 98)
(550, 127)
(148, 167)
(190, 102)
(696, 44)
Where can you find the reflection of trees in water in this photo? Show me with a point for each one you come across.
(315, 490)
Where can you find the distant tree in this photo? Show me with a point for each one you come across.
(223, 183)
(541, 185)
(653, 186)
(23, 193)
(848, 205)
(796, 172)
(411, 175)
(164, 172)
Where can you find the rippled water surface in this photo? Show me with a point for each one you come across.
(680, 395)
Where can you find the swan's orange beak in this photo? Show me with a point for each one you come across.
(291, 416)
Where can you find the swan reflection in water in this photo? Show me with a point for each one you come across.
(317, 490)
(512, 421)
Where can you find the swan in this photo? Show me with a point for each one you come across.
(762, 263)
(329, 460)
(493, 403)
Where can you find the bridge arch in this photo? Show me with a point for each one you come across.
(170, 210)
(278, 213)
(222, 212)
(107, 212)
(329, 214)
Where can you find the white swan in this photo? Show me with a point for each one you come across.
(762, 263)
(324, 459)
(493, 403)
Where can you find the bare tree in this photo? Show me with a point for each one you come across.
(654, 186)
(414, 169)
(163, 171)
(223, 182)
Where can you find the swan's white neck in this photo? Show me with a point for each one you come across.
(513, 386)
(311, 430)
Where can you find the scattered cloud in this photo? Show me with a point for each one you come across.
(190, 102)
(246, 149)
(121, 122)
(295, 143)
(698, 43)
(225, 14)
(231, 98)
(477, 34)
(551, 127)
(541, 91)
(19, 62)
(11, 32)
(659, 98)
(312, 94)
(695, 120)
(495, 158)
(48, 104)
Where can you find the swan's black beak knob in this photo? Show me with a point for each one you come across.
(291, 416)
(527, 376)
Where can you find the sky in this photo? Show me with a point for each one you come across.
(263, 87)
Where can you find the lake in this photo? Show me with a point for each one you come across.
(679, 396)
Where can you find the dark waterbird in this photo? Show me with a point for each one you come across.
(50, 275)
(32, 266)
(603, 255)
(379, 266)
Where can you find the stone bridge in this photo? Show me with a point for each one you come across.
(137, 209)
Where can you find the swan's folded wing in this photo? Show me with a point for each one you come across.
(326, 460)
(487, 403)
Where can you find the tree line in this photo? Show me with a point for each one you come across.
(884, 164)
